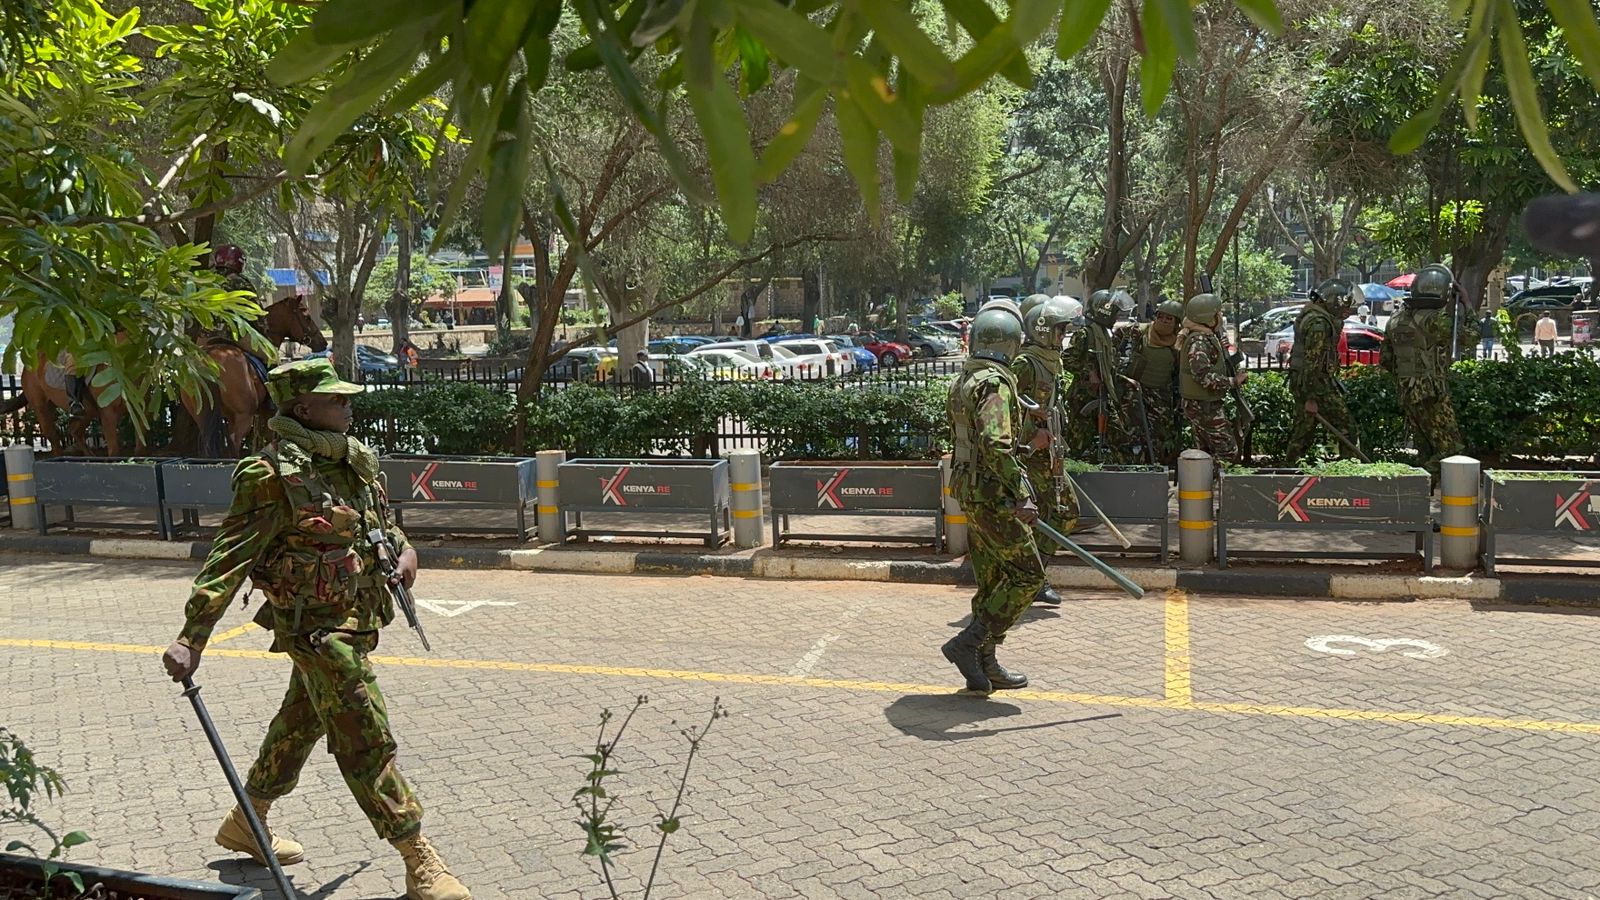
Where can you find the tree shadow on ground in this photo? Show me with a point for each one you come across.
(953, 717)
(246, 873)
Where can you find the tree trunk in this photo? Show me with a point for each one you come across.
(1481, 254)
(811, 294)
(400, 303)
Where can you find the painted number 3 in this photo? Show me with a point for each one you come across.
(1331, 643)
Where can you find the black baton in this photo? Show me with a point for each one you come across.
(192, 691)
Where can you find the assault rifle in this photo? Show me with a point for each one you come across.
(388, 563)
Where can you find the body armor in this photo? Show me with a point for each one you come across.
(1190, 385)
(1152, 366)
(973, 382)
(1416, 354)
(1297, 353)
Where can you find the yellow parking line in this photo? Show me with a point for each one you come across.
(232, 633)
(1248, 709)
(1179, 689)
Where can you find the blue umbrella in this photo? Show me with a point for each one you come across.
(1376, 293)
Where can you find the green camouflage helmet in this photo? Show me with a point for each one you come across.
(1203, 308)
(1104, 306)
(996, 332)
(306, 376)
(1040, 324)
(1170, 308)
(1336, 294)
(1033, 302)
(1432, 287)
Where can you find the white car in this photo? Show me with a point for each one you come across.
(733, 364)
(816, 358)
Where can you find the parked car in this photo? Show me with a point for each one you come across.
(369, 360)
(734, 364)
(933, 344)
(865, 359)
(1359, 345)
(889, 351)
(1518, 283)
(757, 348)
(680, 343)
(813, 357)
(1552, 296)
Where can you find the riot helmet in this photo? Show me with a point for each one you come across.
(228, 259)
(1105, 305)
(1031, 303)
(1045, 323)
(1337, 294)
(1432, 287)
(996, 332)
(1205, 309)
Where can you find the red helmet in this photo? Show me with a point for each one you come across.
(228, 259)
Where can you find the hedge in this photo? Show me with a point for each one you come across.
(1528, 409)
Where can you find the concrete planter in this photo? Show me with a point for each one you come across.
(650, 487)
(856, 489)
(133, 885)
(1293, 500)
(77, 481)
(462, 482)
(1565, 504)
(1128, 495)
(190, 486)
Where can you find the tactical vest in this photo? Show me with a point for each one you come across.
(1189, 384)
(975, 377)
(321, 561)
(1153, 367)
(1045, 365)
(1415, 352)
(1297, 353)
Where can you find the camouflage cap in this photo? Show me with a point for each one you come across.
(306, 376)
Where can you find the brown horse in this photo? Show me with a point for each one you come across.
(44, 398)
(242, 393)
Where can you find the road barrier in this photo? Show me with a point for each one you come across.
(649, 487)
(98, 481)
(1547, 504)
(192, 486)
(856, 489)
(462, 482)
(1292, 500)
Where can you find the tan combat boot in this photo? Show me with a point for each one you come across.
(426, 876)
(235, 835)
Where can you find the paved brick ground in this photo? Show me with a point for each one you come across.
(1169, 748)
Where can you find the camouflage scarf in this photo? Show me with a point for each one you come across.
(327, 444)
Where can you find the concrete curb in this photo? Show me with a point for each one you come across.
(1280, 582)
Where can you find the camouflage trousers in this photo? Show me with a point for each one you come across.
(1083, 429)
(1005, 561)
(1165, 426)
(334, 693)
(1432, 420)
(1333, 408)
(1058, 509)
(1213, 431)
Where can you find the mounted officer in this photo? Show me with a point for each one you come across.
(1037, 369)
(301, 511)
(1314, 369)
(1203, 378)
(1418, 351)
(989, 482)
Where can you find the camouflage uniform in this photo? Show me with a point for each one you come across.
(297, 527)
(1203, 381)
(1155, 368)
(988, 482)
(1093, 350)
(1038, 375)
(1416, 351)
(1314, 375)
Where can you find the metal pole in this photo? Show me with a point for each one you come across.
(744, 475)
(955, 521)
(1459, 484)
(1196, 521)
(259, 831)
(1117, 578)
(21, 490)
(547, 470)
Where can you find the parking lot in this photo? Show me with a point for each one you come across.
(1174, 746)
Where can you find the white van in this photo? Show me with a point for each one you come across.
(759, 349)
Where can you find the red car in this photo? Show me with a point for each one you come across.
(889, 353)
(1359, 345)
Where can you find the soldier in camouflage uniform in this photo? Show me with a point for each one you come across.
(1037, 369)
(1203, 378)
(1418, 353)
(988, 481)
(301, 511)
(1314, 369)
(228, 261)
(1092, 360)
(1151, 353)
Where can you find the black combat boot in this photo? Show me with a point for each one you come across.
(1047, 595)
(965, 651)
(999, 676)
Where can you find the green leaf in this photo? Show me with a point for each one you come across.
(859, 140)
(978, 20)
(998, 49)
(1160, 58)
(358, 21)
(74, 838)
(660, 17)
(425, 83)
(1413, 131)
(1264, 13)
(668, 826)
(1525, 97)
(1476, 53)
(888, 111)
(537, 50)
(792, 137)
(906, 165)
(755, 66)
(722, 124)
(1080, 19)
(1577, 19)
(495, 30)
(902, 34)
(508, 169)
(1179, 21)
(790, 37)
(74, 879)
(305, 57)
